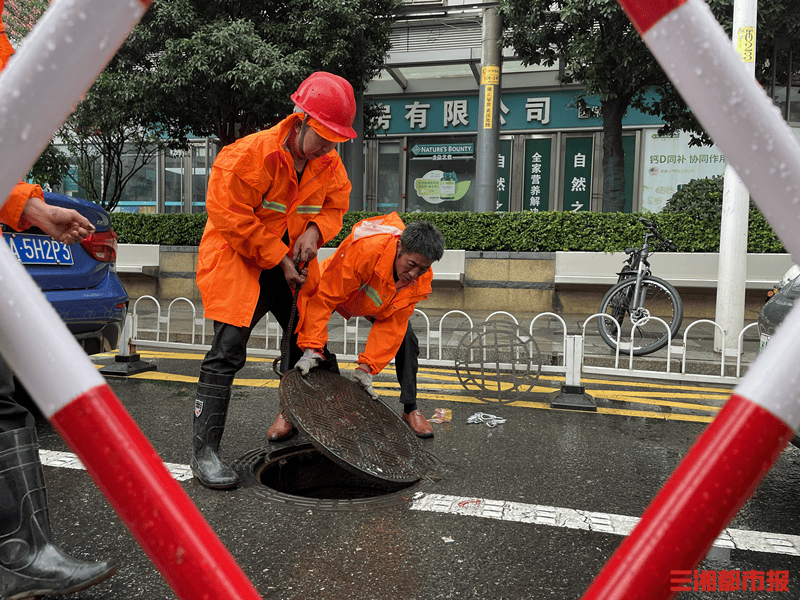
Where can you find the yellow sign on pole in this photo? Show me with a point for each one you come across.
(488, 106)
(490, 76)
(746, 44)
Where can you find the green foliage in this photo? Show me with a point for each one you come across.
(164, 229)
(50, 168)
(694, 214)
(494, 232)
(19, 17)
(227, 69)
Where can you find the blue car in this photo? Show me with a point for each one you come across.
(79, 280)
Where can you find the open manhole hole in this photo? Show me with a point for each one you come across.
(295, 473)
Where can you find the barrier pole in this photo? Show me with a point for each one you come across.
(57, 63)
(738, 448)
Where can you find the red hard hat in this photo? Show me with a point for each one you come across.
(329, 99)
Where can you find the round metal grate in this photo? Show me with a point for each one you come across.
(496, 361)
(356, 432)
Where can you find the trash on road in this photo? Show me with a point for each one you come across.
(490, 420)
(441, 415)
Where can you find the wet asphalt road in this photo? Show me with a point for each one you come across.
(591, 464)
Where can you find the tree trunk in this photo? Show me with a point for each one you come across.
(613, 155)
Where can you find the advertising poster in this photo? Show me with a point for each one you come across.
(441, 175)
(670, 163)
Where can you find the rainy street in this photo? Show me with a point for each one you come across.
(529, 508)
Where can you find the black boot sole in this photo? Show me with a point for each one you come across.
(31, 594)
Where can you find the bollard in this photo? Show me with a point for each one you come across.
(127, 361)
(572, 395)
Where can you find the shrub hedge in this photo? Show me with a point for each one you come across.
(512, 232)
(691, 219)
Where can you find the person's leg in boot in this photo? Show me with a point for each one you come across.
(226, 357)
(211, 410)
(30, 564)
(406, 364)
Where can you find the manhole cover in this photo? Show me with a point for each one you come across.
(358, 433)
(497, 361)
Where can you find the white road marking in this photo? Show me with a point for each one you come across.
(554, 516)
(68, 460)
(739, 539)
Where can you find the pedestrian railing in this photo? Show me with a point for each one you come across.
(158, 327)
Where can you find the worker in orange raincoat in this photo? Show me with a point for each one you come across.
(380, 271)
(33, 564)
(274, 198)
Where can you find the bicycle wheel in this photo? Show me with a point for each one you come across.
(657, 299)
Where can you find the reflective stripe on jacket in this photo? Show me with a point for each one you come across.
(253, 199)
(358, 280)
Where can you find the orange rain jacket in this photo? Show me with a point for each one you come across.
(11, 211)
(253, 199)
(358, 281)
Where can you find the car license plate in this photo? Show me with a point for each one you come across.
(33, 249)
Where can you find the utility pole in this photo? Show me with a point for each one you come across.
(488, 141)
(732, 271)
(353, 158)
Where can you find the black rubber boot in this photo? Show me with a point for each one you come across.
(210, 410)
(30, 564)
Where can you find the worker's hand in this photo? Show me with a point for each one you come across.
(294, 277)
(305, 248)
(311, 358)
(63, 224)
(363, 377)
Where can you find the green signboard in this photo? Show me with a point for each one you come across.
(578, 174)
(538, 156)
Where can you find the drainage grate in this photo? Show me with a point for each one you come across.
(296, 474)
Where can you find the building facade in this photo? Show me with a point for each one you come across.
(424, 155)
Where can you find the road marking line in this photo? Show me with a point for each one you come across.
(390, 389)
(69, 460)
(554, 516)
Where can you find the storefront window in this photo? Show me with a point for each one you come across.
(174, 181)
(139, 193)
(201, 166)
(389, 177)
(441, 174)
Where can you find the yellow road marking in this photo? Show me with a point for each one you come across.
(664, 398)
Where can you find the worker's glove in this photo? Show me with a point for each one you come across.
(364, 379)
(311, 358)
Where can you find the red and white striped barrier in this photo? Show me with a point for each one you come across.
(57, 63)
(738, 448)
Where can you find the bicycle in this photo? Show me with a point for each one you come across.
(639, 295)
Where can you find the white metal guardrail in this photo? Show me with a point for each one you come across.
(167, 328)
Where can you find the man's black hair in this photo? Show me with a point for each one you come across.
(424, 238)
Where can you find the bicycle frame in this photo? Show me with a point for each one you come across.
(637, 267)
